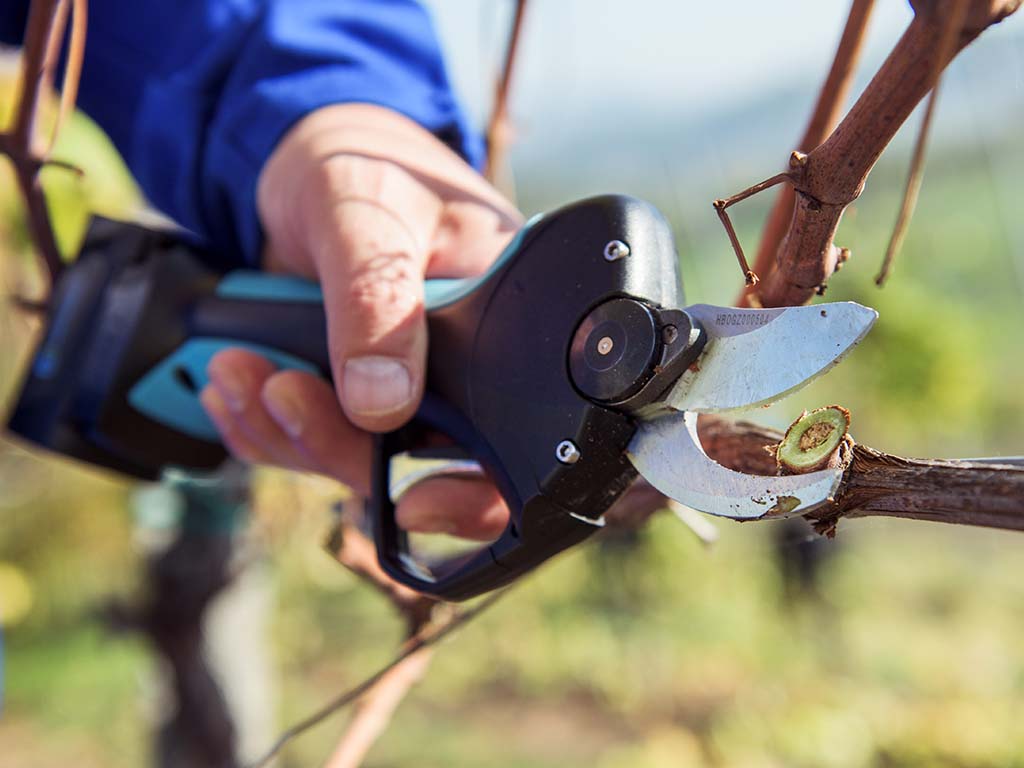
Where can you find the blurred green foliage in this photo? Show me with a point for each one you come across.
(638, 653)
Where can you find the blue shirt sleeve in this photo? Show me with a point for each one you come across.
(196, 93)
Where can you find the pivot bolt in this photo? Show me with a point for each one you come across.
(567, 452)
(615, 250)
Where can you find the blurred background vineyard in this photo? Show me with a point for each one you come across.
(651, 650)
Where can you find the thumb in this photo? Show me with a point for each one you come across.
(371, 271)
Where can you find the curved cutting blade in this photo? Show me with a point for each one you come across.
(668, 453)
(757, 356)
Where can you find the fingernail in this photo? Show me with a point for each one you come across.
(288, 412)
(231, 386)
(374, 386)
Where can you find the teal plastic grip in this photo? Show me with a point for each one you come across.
(169, 392)
(265, 286)
(438, 292)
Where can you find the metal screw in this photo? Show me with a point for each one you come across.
(567, 452)
(604, 346)
(616, 250)
(669, 334)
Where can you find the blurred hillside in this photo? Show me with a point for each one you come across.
(640, 652)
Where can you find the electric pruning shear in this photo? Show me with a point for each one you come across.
(565, 371)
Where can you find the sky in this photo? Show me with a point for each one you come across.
(615, 81)
(583, 56)
(647, 61)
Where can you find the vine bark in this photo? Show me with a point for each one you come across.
(984, 493)
(833, 174)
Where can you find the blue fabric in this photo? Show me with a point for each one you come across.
(196, 93)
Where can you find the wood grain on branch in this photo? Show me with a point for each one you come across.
(985, 494)
(835, 172)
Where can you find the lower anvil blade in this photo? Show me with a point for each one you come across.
(668, 454)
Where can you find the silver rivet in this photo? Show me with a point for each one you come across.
(567, 452)
(616, 250)
(604, 346)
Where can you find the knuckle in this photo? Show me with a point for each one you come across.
(369, 178)
(391, 178)
(387, 288)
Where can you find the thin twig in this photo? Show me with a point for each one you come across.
(357, 552)
(721, 204)
(54, 45)
(915, 175)
(42, 19)
(44, 33)
(826, 113)
(374, 710)
(424, 640)
(499, 128)
(73, 65)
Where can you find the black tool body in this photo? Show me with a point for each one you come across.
(534, 369)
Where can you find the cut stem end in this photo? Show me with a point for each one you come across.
(814, 441)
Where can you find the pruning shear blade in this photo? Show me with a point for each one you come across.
(668, 453)
(752, 357)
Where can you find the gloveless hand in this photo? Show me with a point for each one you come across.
(369, 204)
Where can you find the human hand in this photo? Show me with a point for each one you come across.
(367, 203)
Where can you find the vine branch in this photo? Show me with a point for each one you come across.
(499, 128)
(423, 640)
(749, 276)
(834, 92)
(835, 171)
(980, 492)
(44, 33)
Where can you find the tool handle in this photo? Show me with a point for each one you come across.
(280, 318)
(137, 318)
(132, 327)
(236, 315)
